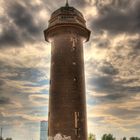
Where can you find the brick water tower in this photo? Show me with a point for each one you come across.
(67, 102)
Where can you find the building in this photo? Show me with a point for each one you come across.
(43, 130)
(67, 103)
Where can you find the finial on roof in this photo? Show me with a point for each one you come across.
(67, 3)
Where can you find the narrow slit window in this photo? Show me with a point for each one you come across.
(76, 118)
(73, 48)
(74, 63)
(74, 79)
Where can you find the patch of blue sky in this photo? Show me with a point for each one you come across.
(44, 91)
(39, 83)
(91, 101)
(44, 82)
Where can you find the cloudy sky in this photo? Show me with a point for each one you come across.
(112, 66)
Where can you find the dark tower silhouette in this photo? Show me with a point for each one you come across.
(67, 103)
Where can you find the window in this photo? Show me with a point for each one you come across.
(74, 79)
(73, 63)
(73, 48)
(77, 119)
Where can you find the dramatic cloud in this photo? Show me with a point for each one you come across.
(112, 66)
(118, 16)
(21, 25)
(8, 39)
(4, 100)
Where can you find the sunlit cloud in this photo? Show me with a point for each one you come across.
(111, 66)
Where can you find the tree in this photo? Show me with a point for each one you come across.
(134, 138)
(91, 137)
(124, 138)
(8, 139)
(108, 137)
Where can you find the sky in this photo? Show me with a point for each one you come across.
(112, 66)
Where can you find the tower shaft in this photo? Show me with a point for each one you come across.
(67, 112)
(67, 103)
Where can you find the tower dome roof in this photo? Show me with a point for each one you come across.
(67, 15)
(66, 19)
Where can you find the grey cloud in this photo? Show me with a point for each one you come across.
(80, 3)
(134, 127)
(134, 44)
(32, 109)
(118, 78)
(23, 18)
(5, 100)
(26, 74)
(19, 26)
(9, 37)
(104, 6)
(39, 99)
(103, 43)
(101, 82)
(107, 68)
(110, 98)
(116, 96)
(115, 90)
(99, 41)
(118, 17)
(103, 66)
(20, 73)
(123, 113)
(11, 120)
(137, 108)
(1, 82)
(97, 120)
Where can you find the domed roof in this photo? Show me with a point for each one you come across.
(66, 19)
(67, 14)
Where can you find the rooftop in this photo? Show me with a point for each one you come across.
(67, 14)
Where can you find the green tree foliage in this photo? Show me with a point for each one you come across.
(5, 139)
(108, 137)
(124, 138)
(134, 138)
(91, 137)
